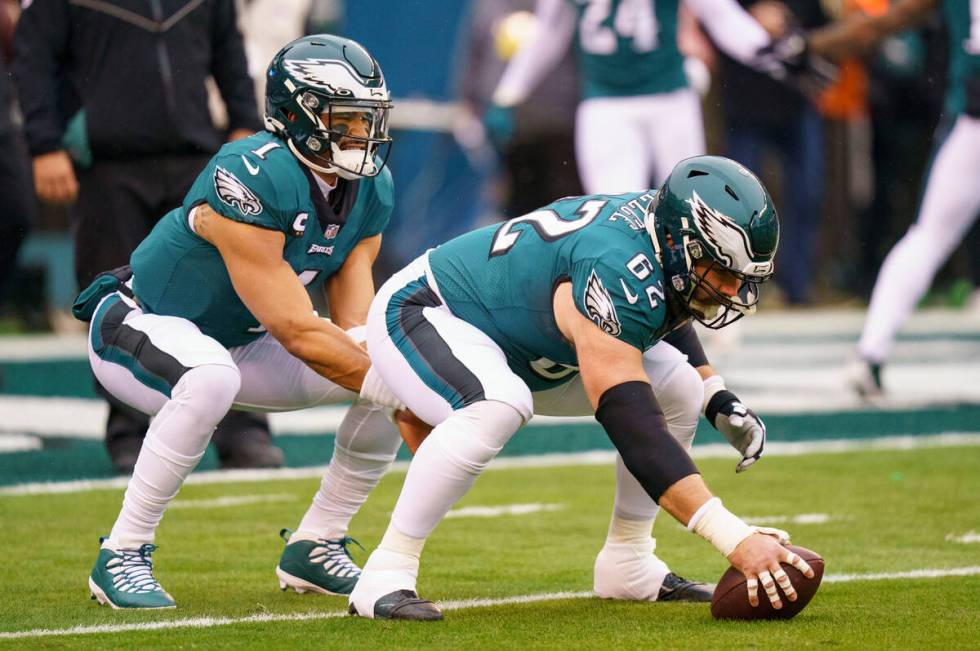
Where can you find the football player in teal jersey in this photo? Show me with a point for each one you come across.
(582, 307)
(951, 200)
(212, 313)
(638, 116)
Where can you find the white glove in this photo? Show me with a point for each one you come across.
(744, 430)
(375, 390)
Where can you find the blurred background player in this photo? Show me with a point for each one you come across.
(117, 122)
(951, 199)
(780, 121)
(214, 313)
(637, 116)
(535, 139)
(581, 307)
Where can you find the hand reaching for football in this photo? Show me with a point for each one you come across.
(758, 558)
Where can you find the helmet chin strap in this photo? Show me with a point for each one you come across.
(354, 156)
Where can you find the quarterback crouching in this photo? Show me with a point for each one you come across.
(582, 307)
(213, 313)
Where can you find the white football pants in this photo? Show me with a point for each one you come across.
(469, 370)
(629, 144)
(949, 207)
(167, 368)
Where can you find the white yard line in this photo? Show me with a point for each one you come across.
(210, 622)
(506, 509)
(19, 443)
(802, 518)
(233, 500)
(593, 458)
(967, 538)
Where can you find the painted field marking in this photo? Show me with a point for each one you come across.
(966, 538)
(802, 518)
(234, 500)
(506, 509)
(593, 458)
(209, 622)
(19, 443)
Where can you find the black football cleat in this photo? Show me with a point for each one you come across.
(676, 588)
(404, 605)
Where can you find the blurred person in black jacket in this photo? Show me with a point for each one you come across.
(17, 213)
(763, 116)
(117, 121)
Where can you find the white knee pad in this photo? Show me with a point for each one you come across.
(449, 461)
(471, 437)
(197, 403)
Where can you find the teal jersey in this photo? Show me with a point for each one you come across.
(963, 24)
(502, 278)
(628, 47)
(256, 181)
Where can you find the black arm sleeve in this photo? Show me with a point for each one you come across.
(230, 68)
(685, 339)
(40, 53)
(635, 424)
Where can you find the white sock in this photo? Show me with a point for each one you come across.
(363, 451)
(174, 444)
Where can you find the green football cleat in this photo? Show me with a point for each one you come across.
(123, 578)
(323, 566)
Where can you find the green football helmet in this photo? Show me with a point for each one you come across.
(713, 211)
(314, 86)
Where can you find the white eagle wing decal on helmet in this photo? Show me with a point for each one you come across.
(729, 243)
(234, 193)
(334, 76)
(600, 306)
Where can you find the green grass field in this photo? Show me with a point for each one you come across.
(886, 512)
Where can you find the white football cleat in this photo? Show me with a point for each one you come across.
(864, 378)
(385, 574)
(633, 572)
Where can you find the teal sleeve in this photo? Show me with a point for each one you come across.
(245, 190)
(610, 295)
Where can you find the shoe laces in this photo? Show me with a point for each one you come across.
(132, 570)
(335, 556)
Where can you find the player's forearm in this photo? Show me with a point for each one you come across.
(556, 27)
(731, 28)
(683, 498)
(859, 34)
(330, 352)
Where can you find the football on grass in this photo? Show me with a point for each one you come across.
(731, 598)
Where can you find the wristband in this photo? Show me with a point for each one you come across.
(712, 385)
(719, 526)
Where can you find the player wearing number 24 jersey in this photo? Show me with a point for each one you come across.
(583, 307)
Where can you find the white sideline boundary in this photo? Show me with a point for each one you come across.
(211, 622)
(593, 458)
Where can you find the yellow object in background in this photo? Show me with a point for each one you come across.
(511, 32)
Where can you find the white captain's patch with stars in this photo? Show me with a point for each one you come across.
(234, 193)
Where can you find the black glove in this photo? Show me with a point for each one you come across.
(788, 59)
